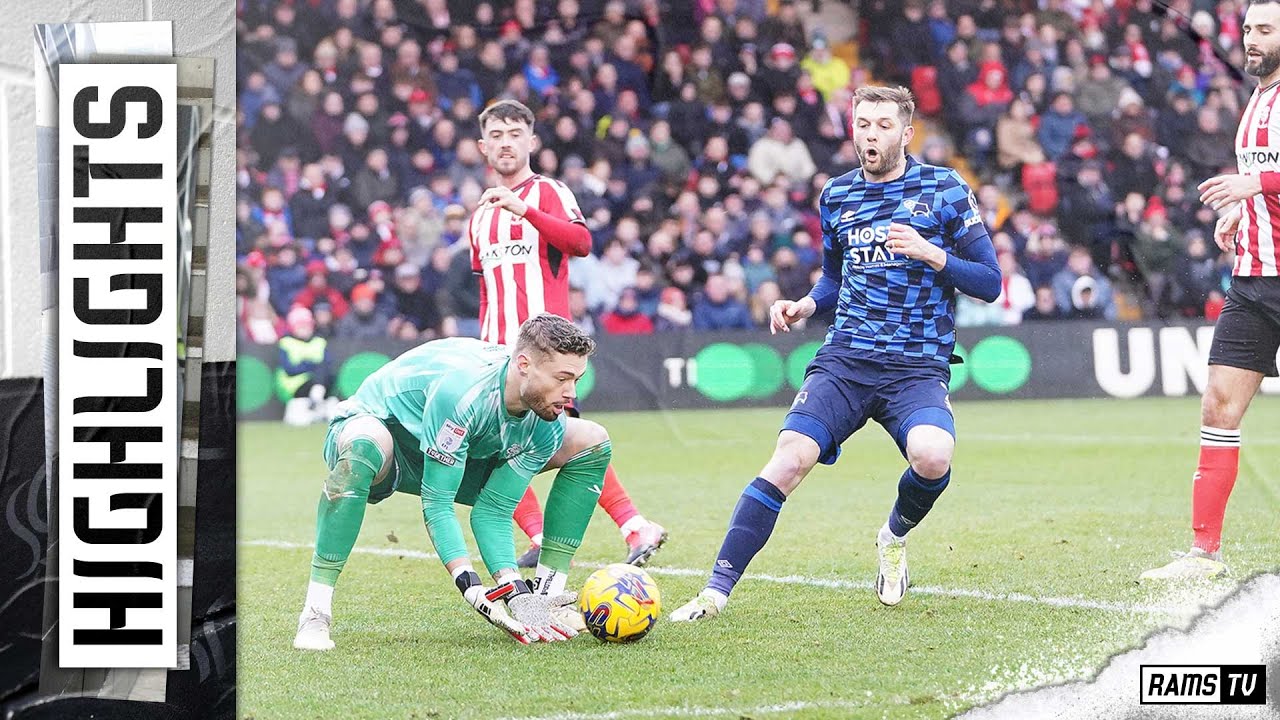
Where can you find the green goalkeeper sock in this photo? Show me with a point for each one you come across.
(341, 508)
(573, 498)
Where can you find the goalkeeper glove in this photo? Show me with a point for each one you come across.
(486, 603)
(535, 609)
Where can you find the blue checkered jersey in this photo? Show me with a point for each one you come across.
(890, 304)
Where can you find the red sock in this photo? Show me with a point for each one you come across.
(614, 499)
(1216, 475)
(528, 514)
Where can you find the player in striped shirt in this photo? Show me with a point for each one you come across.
(1246, 336)
(900, 238)
(522, 235)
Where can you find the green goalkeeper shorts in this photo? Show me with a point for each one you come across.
(407, 465)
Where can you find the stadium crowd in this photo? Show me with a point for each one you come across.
(696, 138)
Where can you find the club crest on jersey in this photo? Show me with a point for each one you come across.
(513, 451)
(916, 208)
(450, 436)
(1264, 114)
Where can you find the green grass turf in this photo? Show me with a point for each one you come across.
(1068, 499)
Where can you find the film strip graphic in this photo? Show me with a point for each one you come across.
(139, 42)
(195, 142)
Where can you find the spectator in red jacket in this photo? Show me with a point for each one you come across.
(318, 290)
(626, 318)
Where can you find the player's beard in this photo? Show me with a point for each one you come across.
(509, 165)
(540, 406)
(1263, 65)
(885, 162)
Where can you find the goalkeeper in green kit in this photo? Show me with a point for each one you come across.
(464, 421)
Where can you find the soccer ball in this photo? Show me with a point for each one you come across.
(620, 603)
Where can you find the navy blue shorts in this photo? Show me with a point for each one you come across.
(842, 390)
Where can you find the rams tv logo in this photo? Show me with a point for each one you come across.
(1215, 684)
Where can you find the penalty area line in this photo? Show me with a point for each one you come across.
(831, 583)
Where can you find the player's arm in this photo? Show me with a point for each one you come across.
(826, 293)
(491, 520)
(474, 243)
(1227, 228)
(971, 268)
(491, 524)
(496, 503)
(445, 444)
(566, 236)
(560, 224)
(559, 219)
(1222, 191)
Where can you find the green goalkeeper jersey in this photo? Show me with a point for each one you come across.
(447, 395)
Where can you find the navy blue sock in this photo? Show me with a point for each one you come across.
(749, 529)
(916, 496)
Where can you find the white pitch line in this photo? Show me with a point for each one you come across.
(834, 584)
(685, 711)
(1056, 438)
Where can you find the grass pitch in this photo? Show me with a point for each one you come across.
(1023, 574)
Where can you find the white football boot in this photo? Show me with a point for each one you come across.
(891, 580)
(1194, 565)
(313, 630)
(705, 606)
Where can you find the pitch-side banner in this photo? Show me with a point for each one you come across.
(118, 399)
(749, 369)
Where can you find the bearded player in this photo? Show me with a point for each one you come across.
(1246, 337)
(468, 422)
(522, 236)
(900, 238)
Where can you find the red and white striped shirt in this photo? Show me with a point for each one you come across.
(525, 261)
(1258, 153)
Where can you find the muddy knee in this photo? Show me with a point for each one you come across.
(365, 456)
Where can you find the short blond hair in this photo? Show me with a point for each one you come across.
(899, 96)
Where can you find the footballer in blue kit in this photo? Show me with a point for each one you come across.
(900, 238)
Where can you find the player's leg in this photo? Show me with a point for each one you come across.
(581, 463)
(643, 537)
(827, 410)
(359, 452)
(528, 517)
(917, 414)
(753, 521)
(1222, 409)
(1245, 342)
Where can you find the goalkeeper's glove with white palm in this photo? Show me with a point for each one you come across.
(485, 602)
(536, 609)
